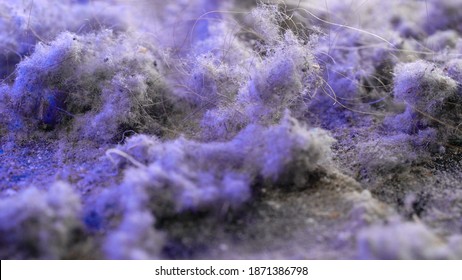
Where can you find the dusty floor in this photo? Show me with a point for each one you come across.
(387, 192)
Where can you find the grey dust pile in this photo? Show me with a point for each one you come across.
(195, 129)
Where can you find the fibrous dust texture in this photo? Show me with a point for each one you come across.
(196, 129)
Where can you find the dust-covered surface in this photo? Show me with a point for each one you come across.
(230, 129)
